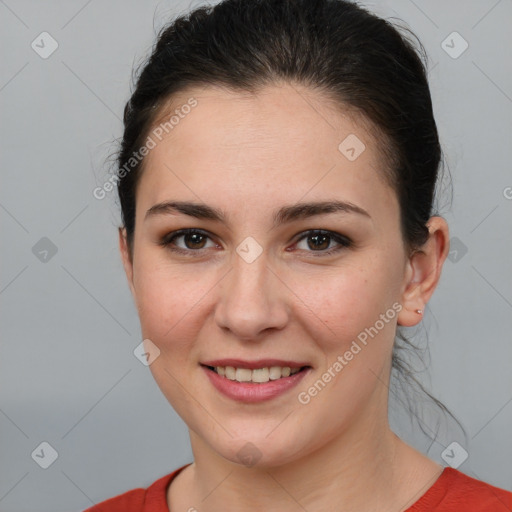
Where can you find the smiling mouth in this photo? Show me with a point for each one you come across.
(255, 376)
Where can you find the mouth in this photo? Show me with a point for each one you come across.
(256, 375)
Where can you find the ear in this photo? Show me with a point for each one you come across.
(126, 258)
(423, 271)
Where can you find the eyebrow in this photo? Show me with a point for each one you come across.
(283, 215)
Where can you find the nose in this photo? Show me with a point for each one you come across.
(252, 300)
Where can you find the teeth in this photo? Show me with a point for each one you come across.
(259, 375)
(243, 375)
(230, 372)
(275, 373)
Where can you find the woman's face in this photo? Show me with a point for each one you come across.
(257, 285)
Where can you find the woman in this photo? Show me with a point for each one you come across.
(276, 179)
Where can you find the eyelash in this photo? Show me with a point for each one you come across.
(343, 241)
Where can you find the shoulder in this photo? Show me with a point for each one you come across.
(151, 499)
(476, 493)
(454, 491)
(130, 501)
(486, 496)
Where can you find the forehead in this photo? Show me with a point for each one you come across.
(281, 138)
(274, 114)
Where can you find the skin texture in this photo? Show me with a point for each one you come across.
(249, 155)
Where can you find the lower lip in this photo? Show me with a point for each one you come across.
(250, 392)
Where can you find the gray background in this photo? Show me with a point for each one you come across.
(69, 327)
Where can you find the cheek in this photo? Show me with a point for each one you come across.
(169, 302)
(354, 329)
(344, 301)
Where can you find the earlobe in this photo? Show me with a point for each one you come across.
(423, 272)
(126, 258)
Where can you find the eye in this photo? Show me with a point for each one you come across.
(193, 241)
(319, 241)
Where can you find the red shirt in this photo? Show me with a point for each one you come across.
(453, 491)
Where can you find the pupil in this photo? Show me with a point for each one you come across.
(195, 237)
(318, 245)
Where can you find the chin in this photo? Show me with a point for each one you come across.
(256, 449)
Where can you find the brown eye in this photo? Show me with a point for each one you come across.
(194, 240)
(320, 241)
(186, 241)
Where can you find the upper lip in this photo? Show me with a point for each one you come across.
(252, 365)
